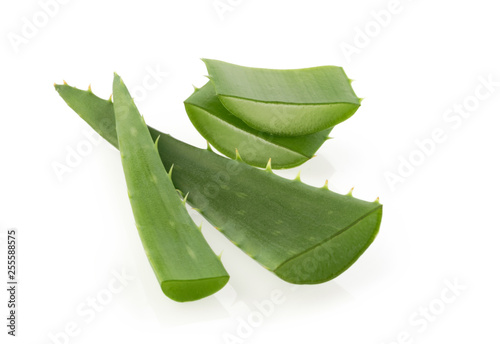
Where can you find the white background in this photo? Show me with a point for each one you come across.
(440, 223)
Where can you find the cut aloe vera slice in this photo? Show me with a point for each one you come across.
(229, 134)
(284, 102)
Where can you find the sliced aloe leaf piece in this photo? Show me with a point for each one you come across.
(284, 102)
(303, 234)
(185, 265)
(228, 133)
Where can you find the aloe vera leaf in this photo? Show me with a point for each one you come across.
(303, 234)
(228, 133)
(284, 102)
(185, 265)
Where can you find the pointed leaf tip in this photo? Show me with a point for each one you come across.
(185, 200)
(156, 142)
(238, 157)
(268, 166)
(117, 77)
(179, 192)
(209, 148)
(170, 171)
(298, 177)
(65, 83)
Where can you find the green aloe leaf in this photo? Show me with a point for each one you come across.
(284, 102)
(303, 234)
(185, 265)
(228, 133)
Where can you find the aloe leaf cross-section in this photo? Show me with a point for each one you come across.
(283, 102)
(229, 134)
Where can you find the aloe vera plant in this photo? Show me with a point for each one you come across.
(303, 234)
(284, 102)
(228, 133)
(185, 265)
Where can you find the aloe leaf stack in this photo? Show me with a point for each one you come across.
(283, 115)
(227, 133)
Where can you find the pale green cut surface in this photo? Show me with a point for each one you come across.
(228, 133)
(287, 102)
